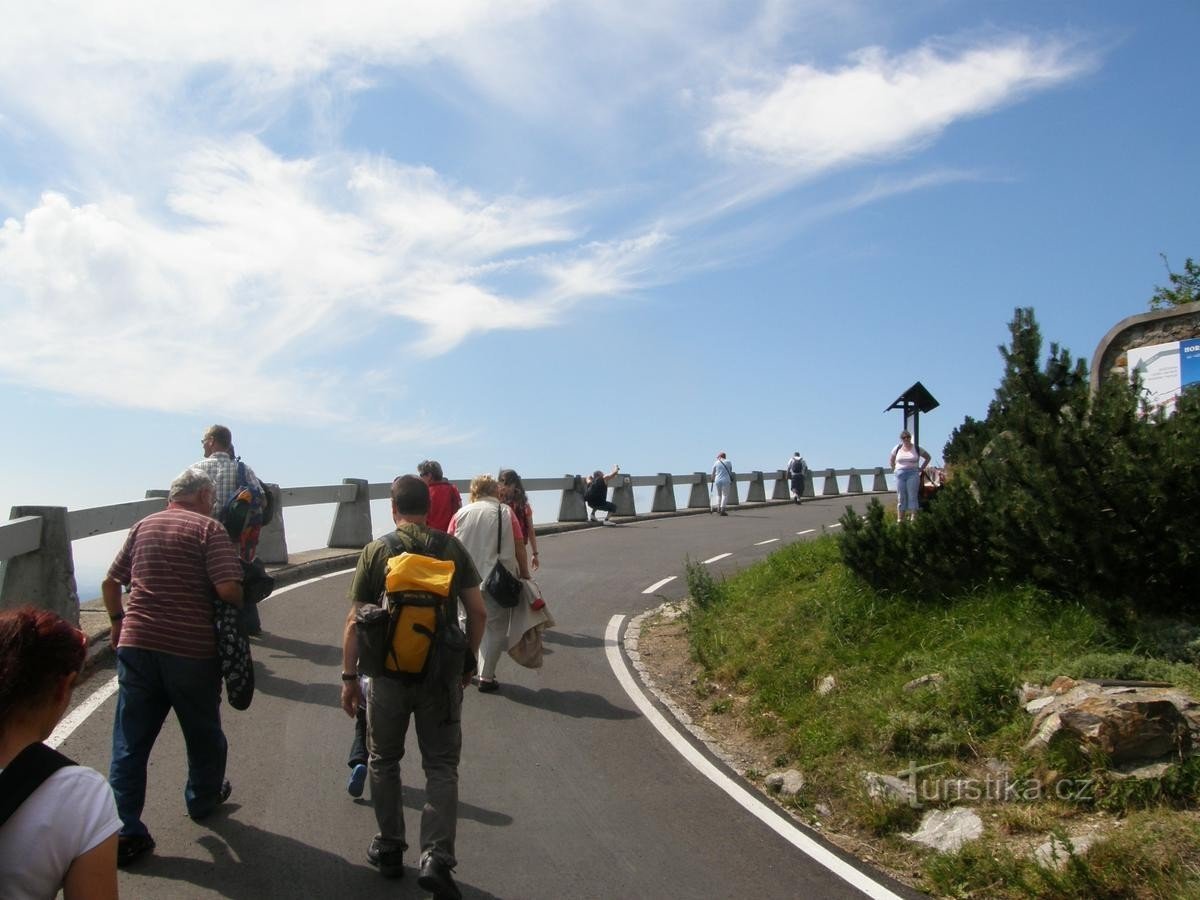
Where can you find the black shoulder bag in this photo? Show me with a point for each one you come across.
(25, 774)
(502, 585)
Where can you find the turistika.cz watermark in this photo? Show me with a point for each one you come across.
(998, 788)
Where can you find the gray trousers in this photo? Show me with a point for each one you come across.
(439, 737)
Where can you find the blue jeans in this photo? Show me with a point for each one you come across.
(151, 684)
(908, 481)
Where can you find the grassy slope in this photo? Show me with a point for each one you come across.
(777, 629)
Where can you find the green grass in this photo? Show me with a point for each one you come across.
(776, 629)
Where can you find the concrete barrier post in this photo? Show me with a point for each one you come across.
(782, 489)
(45, 577)
(352, 521)
(571, 507)
(831, 485)
(664, 494)
(733, 499)
(880, 484)
(809, 490)
(699, 497)
(757, 492)
(854, 485)
(622, 496)
(272, 540)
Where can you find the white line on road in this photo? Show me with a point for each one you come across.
(771, 541)
(836, 525)
(95, 700)
(743, 797)
(654, 587)
(806, 531)
(718, 557)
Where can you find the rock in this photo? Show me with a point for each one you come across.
(946, 830)
(1143, 773)
(1055, 853)
(1029, 692)
(823, 810)
(1034, 706)
(827, 685)
(1062, 684)
(889, 787)
(934, 679)
(1142, 725)
(788, 783)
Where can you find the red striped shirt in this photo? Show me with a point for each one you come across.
(170, 561)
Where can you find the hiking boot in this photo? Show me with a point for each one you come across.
(358, 778)
(131, 847)
(435, 878)
(390, 863)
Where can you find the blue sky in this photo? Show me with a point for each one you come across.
(557, 236)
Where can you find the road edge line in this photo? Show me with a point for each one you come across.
(752, 804)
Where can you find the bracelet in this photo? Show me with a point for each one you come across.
(349, 676)
(117, 618)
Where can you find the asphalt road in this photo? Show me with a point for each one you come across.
(567, 791)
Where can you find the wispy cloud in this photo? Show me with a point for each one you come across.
(810, 121)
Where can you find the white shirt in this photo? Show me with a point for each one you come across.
(476, 525)
(69, 814)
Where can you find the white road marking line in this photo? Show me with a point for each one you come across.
(806, 531)
(654, 587)
(718, 557)
(95, 700)
(771, 541)
(836, 525)
(748, 801)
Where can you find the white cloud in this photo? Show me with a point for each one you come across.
(810, 120)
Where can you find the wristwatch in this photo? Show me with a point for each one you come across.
(349, 676)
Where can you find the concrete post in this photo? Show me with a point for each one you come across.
(622, 496)
(352, 522)
(758, 491)
(808, 491)
(44, 578)
(571, 507)
(831, 485)
(854, 485)
(272, 540)
(699, 498)
(782, 489)
(880, 484)
(664, 494)
(733, 493)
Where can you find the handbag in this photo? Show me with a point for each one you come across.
(233, 650)
(502, 585)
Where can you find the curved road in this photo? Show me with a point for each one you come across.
(566, 789)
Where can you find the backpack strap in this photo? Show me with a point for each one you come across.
(25, 774)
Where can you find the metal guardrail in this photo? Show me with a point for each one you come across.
(35, 544)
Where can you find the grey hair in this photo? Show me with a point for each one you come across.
(189, 483)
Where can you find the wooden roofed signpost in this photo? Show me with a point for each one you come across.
(913, 402)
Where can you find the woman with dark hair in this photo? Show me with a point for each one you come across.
(512, 492)
(62, 830)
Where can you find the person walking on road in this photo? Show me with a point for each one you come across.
(221, 465)
(797, 473)
(166, 647)
(435, 708)
(722, 479)
(512, 494)
(909, 461)
(444, 498)
(62, 832)
(490, 533)
(596, 494)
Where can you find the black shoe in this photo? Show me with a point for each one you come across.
(435, 878)
(488, 685)
(390, 863)
(132, 846)
(226, 790)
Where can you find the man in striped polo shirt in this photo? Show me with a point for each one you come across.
(173, 561)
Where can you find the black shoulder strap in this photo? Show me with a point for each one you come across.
(401, 542)
(25, 774)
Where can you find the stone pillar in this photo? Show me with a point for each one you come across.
(809, 490)
(854, 486)
(272, 540)
(571, 507)
(622, 496)
(664, 494)
(699, 498)
(45, 577)
(831, 485)
(880, 484)
(352, 521)
(733, 493)
(782, 489)
(757, 492)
